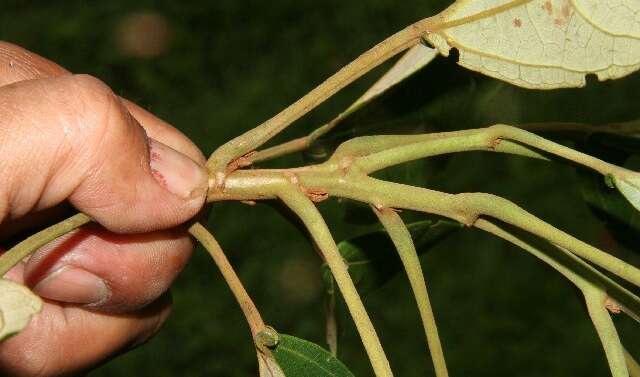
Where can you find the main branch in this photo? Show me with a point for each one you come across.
(254, 138)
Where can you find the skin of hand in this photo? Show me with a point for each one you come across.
(68, 140)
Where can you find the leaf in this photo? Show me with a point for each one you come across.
(610, 205)
(411, 62)
(542, 44)
(372, 258)
(399, 109)
(300, 358)
(619, 217)
(17, 305)
(630, 188)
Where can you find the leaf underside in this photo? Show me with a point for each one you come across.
(543, 44)
(17, 305)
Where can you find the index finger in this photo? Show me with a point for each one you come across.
(18, 64)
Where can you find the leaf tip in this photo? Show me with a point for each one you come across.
(630, 189)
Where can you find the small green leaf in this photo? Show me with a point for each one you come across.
(17, 305)
(373, 260)
(300, 358)
(605, 196)
(630, 188)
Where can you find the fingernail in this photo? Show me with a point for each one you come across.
(176, 172)
(73, 285)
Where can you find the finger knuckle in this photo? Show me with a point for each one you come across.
(94, 99)
(98, 114)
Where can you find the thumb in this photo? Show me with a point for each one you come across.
(70, 137)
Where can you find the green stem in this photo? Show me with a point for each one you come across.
(249, 309)
(254, 138)
(588, 281)
(401, 238)
(576, 130)
(580, 273)
(308, 213)
(267, 365)
(465, 208)
(36, 241)
(292, 146)
(331, 321)
(595, 298)
(632, 365)
(499, 138)
(480, 204)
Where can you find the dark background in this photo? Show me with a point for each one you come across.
(216, 68)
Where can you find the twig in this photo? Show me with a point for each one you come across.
(308, 213)
(587, 280)
(20, 251)
(254, 138)
(401, 238)
(603, 323)
(632, 365)
(249, 309)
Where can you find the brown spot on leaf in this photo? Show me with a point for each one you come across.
(562, 15)
(517, 22)
(548, 7)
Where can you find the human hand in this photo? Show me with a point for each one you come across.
(68, 139)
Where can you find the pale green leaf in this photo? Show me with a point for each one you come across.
(411, 62)
(543, 44)
(17, 305)
(630, 188)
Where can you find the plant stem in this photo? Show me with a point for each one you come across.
(408, 64)
(580, 273)
(340, 181)
(331, 321)
(25, 248)
(292, 146)
(603, 323)
(308, 213)
(493, 138)
(254, 138)
(249, 309)
(632, 365)
(587, 280)
(575, 131)
(401, 238)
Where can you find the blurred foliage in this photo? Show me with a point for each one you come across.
(220, 67)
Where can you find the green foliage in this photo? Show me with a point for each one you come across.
(300, 358)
